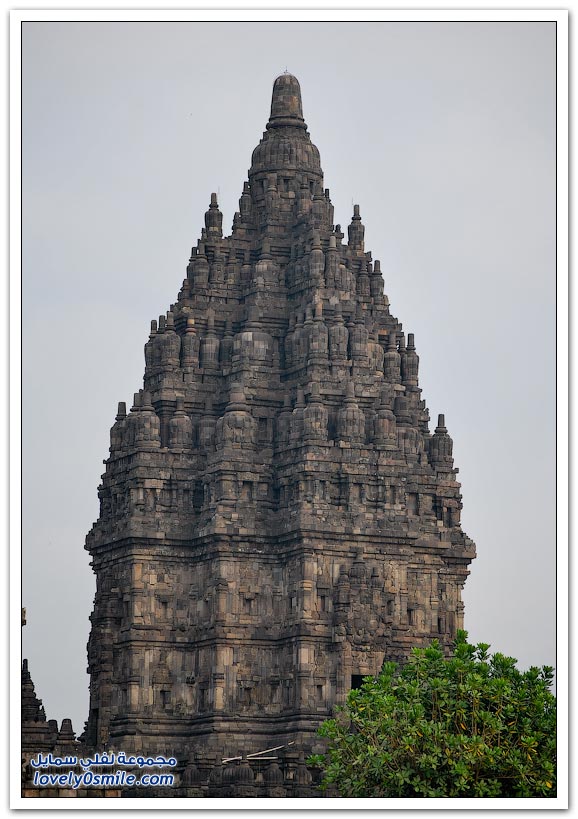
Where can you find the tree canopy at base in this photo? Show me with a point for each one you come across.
(469, 725)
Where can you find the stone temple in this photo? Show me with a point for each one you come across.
(276, 517)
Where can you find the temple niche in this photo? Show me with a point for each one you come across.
(277, 519)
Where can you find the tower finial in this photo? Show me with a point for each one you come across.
(214, 219)
(286, 107)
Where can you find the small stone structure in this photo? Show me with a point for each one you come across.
(276, 518)
(42, 736)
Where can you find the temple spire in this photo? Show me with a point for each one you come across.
(274, 503)
(214, 219)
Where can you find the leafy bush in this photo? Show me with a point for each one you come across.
(470, 725)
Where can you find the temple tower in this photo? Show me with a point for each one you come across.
(276, 518)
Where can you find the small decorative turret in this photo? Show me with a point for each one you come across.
(376, 283)
(316, 262)
(149, 349)
(117, 429)
(330, 208)
(338, 336)
(363, 288)
(170, 344)
(376, 353)
(245, 271)
(307, 329)
(331, 263)
(271, 199)
(227, 342)
(191, 776)
(32, 708)
(370, 419)
(267, 269)
(210, 345)
(288, 344)
(129, 432)
(318, 336)
(284, 422)
(190, 347)
(392, 361)
(410, 364)
(148, 426)
(245, 203)
(198, 269)
(315, 416)
(346, 278)
(274, 776)
(350, 419)
(243, 775)
(343, 587)
(207, 426)
(356, 232)
(214, 220)
(385, 434)
(180, 427)
(441, 448)
(303, 200)
(232, 266)
(297, 417)
(66, 737)
(401, 410)
(217, 269)
(237, 223)
(302, 775)
(358, 338)
(216, 777)
(253, 344)
(358, 570)
(299, 341)
(319, 207)
(411, 443)
(237, 428)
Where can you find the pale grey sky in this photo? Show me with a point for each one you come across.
(444, 133)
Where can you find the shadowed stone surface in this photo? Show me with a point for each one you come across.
(276, 518)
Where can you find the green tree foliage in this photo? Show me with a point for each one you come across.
(470, 725)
